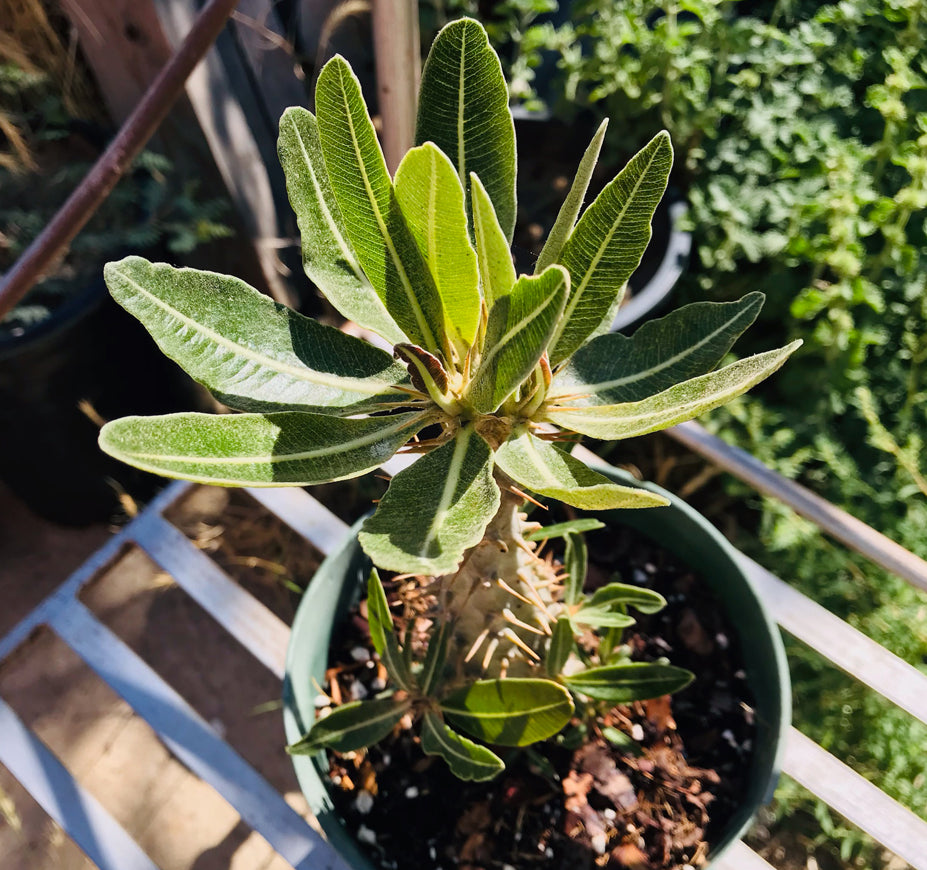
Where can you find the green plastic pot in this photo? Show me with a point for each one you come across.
(341, 580)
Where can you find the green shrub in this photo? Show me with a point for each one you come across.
(802, 135)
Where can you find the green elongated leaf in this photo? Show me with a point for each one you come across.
(602, 617)
(510, 712)
(519, 329)
(608, 242)
(622, 684)
(249, 351)
(434, 510)
(675, 405)
(286, 449)
(624, 742)
(561, 530)
(329, 260)
(435, 659)
(384, 640)
(353, 726)
(497, 269)
(625, 595)
(544, 468)
(687, 343)
(561, 645)
(364, 192)
(466, 759)
(379, 616)
(463, 108)
(432, 202)
(576, 565)
(569, 211)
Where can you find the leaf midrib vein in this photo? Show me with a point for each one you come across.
(461, 445)
(603, 386)
(346, 250)
(587, 277)
(381, 225)
(300, 373)
(603, 412)
(317, 453)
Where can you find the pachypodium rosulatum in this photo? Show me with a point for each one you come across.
(489, 371)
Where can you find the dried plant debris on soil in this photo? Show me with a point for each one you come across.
(651, 796)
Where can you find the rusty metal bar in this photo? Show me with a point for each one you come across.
(113, 163)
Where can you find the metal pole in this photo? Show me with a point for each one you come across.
(113, 163)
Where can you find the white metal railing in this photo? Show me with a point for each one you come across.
(265, 636)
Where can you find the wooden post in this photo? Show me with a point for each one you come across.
(398, 60)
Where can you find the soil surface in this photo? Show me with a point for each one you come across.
(653, 795)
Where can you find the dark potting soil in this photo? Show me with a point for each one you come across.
(654, 797)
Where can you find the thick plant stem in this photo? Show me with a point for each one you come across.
(499, 599)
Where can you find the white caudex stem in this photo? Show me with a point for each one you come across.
(499, 600)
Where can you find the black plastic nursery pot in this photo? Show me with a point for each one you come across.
(87, 350)
(341, 580)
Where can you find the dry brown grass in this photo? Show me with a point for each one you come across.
(37, 40)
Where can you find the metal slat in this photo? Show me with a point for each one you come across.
(741, 857)
(95, 564)
(857, 799)
(836, 640)
(94, 830)
(261, 632)
(191, 739)
(850, 531)
(304, 515)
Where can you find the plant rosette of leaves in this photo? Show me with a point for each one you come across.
(490, 370)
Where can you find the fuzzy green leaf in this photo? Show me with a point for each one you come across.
(432, 202)
(329, 260)
(497, 270)
(517, 334)
(352, 726)
(379, 616)
(561, 530)
(286, 449)
(464, 109)
(569, 211)
(434, 510)
(625, 595)
(601, 617)
(466, 759)
(435, 659)
(544, 468)
(561, 645)
(622, 684)
(510, 712)
(251, 352)
(608, 242)
(576, 565)
(675, 405)
(384, 640)
(364, 192)
(687, 343)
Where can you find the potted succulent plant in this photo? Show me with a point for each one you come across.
(489, 371)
